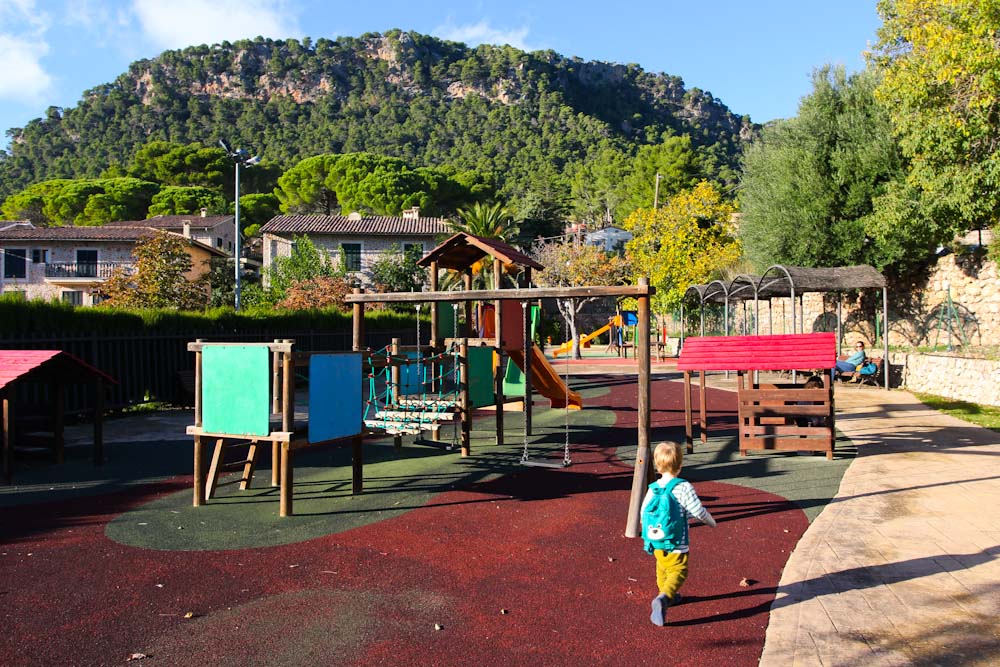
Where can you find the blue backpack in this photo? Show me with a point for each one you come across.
(663, 522)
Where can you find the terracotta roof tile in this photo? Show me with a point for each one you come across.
(175, 221)
(340, 224)
(72, 233)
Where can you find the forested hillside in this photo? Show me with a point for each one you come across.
(526, 120)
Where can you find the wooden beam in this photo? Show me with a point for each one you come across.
(464, 354)
(8, 436)
(98, 421)
(357, 465)
(506, 294)
(499, 371)
(199, 473)
(688, 414)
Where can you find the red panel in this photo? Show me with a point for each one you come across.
(762, 353)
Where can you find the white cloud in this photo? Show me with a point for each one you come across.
(484, 33)
(181, 23)
(22, 47)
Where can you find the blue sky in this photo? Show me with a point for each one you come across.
(757, 57)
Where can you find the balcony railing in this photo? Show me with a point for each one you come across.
(98, 270)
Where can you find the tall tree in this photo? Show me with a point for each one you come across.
(685, 242)
(674, 159)
(939, 61)
(81, 201)
(184, 200)
(159, 280)
(576, 264)
(809, 182)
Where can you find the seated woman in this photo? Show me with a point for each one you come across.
(852, 363)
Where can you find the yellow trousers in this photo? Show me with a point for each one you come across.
(671, 571)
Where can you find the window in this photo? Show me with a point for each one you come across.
(14, 263)
(351, 253)
(416, 248)
(39, 256)
(218, 242)
(74, 297)
(86, 263)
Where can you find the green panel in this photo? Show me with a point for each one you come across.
(481, 376)
(446, 320)
(236, 389)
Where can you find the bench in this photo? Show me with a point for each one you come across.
(873, 379)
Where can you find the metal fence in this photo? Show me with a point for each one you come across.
(147, 366)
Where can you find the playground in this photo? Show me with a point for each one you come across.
(408, 505)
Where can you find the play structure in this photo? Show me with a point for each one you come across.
(46, 374)
(245, 393)
(245, 399)
(771, 416)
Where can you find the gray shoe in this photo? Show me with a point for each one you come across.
(659, 613)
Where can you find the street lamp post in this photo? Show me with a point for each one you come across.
(239, 157)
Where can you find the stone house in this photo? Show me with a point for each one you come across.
(70, 263)
(218, 231)
(360, 240)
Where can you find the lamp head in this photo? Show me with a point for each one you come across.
(225, 146)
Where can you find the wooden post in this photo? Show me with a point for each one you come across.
(199, 472)
(434, 312)
(287, 390)
(287, 479)
(98, 422)
(702, 408)
(688, 414)
(465, 398)
(499, 374)
(642, 454)
(357, 465)
(530, 343)
(8, 427)
(197, 384)
(358, 324)
(435, 366)
(397, 439)
(357, 344)
(58, 416)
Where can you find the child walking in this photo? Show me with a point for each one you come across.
(665, 510)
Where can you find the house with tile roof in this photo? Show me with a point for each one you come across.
(70, 263)
(218, 231)
(360, 240)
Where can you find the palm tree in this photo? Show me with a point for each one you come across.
(489, 221)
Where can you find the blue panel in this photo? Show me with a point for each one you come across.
(412, 376)
(335, 401)
(630, 318)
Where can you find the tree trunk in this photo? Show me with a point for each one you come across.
(568, 312)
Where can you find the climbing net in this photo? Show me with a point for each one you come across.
(412, 393)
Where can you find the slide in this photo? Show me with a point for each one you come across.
(545, 380)
(567, 347)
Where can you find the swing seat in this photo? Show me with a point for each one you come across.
(409, 402)
(545, 464)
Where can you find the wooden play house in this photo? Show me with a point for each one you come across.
(783, 416)
(52, 371)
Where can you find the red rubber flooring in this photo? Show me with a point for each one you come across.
(530, 569)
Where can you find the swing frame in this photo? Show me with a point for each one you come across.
(641, 292)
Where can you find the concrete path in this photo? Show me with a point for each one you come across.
(903, 566)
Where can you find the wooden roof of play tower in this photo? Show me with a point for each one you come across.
(461, 251)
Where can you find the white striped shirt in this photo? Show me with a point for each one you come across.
(690, 504)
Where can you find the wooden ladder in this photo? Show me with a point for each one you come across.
(219, 464)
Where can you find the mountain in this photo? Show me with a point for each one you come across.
(520, 117)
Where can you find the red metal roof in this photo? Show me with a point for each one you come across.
(759, 353)
(15, 364)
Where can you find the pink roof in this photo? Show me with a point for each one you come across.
(15, 364)
(759, 353)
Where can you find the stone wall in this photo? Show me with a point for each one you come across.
(918, 312)
(961, 378)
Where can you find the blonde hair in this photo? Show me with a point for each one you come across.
(668, 457)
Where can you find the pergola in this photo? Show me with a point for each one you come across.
(780, 281)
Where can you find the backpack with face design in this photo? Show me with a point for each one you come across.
(663, 521)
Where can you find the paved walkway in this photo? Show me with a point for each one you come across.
(903, 567)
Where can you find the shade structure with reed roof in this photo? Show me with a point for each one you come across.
(780, 281)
